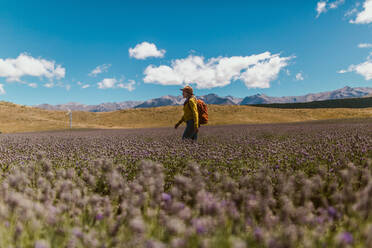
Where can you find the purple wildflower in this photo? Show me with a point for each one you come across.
(99, 216)
(332, 212)
(166, 197)
(344, 238)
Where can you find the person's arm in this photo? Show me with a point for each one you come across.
(195, 114)
(179, 122)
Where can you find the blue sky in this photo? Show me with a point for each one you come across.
(110, 51)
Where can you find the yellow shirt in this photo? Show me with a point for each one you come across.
(190, 112)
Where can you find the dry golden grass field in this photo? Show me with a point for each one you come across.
(17, 118)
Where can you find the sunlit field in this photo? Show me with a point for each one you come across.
(270, 185)
(29, 119)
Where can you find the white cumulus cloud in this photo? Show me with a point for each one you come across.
(2, 91)
(299, 77)
(107, 83)
(58, 84)
(256, 71)
(99, 69)
(82, 85)
(146, 50)
(335, 4)
(25, 65)
(112, 83)
(129, 86)
(324, 6)
(364, 69)
(365, 45)
(32, 85)
(365, 16)
(49, 85)
(321, 7)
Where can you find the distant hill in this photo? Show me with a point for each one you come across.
(363, 102)
(346, 92)
(178, 100)
(103, 107)
(214, 99)
(162, 101)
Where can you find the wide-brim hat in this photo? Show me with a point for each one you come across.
(188, 90)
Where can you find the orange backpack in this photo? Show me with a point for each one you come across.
(202, 111)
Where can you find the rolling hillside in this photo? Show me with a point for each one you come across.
(17, 118)
(365, 102)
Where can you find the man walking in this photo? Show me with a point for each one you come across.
(190, 115)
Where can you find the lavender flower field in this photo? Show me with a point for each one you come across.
(282, 185)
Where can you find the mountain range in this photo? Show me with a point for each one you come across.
(346, 92)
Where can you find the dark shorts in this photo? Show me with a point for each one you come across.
(189, 132)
